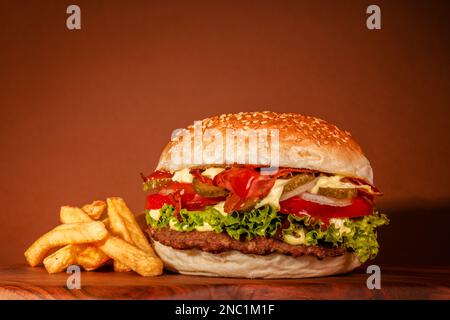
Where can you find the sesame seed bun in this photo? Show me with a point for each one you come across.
(304, 142)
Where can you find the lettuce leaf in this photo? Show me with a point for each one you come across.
(357, 235)
(262, 222)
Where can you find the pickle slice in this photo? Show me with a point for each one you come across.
(338, 193)
(297, 181)
(155, 184)
(207, 190)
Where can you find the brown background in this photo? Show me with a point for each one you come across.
(83, 112)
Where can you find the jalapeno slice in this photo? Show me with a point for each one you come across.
(297, 181)
(338, 193)
(156, 184)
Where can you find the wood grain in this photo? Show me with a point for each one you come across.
(19, 282)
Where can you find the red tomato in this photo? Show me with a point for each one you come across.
(156, 201)
(298, 206)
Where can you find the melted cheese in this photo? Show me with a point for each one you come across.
(212, 172)
(172, 224)
(300, 239)
(205, 227)
(339, 225)
(273, 198)
(183, 175)
(331, 182)
(155, 214)
(220, 207)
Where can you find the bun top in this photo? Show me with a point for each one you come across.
(303, 142)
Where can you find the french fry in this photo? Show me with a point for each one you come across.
(120, 267)
(95, 209)
(118, 228)
(119, 208)
(125, 224)
(84, 241)
(106, 223)
(62, 235)
(62, 258)
(116, 223)
(134, 258)
(91, 258)
(76, 215)
(69, 214)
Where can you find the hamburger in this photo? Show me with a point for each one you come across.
(262, 195)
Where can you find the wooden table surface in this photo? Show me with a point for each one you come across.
(20, 282)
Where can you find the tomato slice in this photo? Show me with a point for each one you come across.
(157, 201)
(300, 207)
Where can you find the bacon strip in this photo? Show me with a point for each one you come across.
(246, 187)
(197, 173)
(360, 182)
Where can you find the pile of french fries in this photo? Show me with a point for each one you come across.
(90, 240)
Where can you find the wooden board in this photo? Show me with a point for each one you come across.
(19, 282)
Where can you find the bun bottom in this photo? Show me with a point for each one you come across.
(235, 264)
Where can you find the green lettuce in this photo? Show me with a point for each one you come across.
(262, 222)
(357, 235)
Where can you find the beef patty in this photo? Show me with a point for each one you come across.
(219, 242)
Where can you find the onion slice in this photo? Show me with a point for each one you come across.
(325, 200)
(298, 190)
